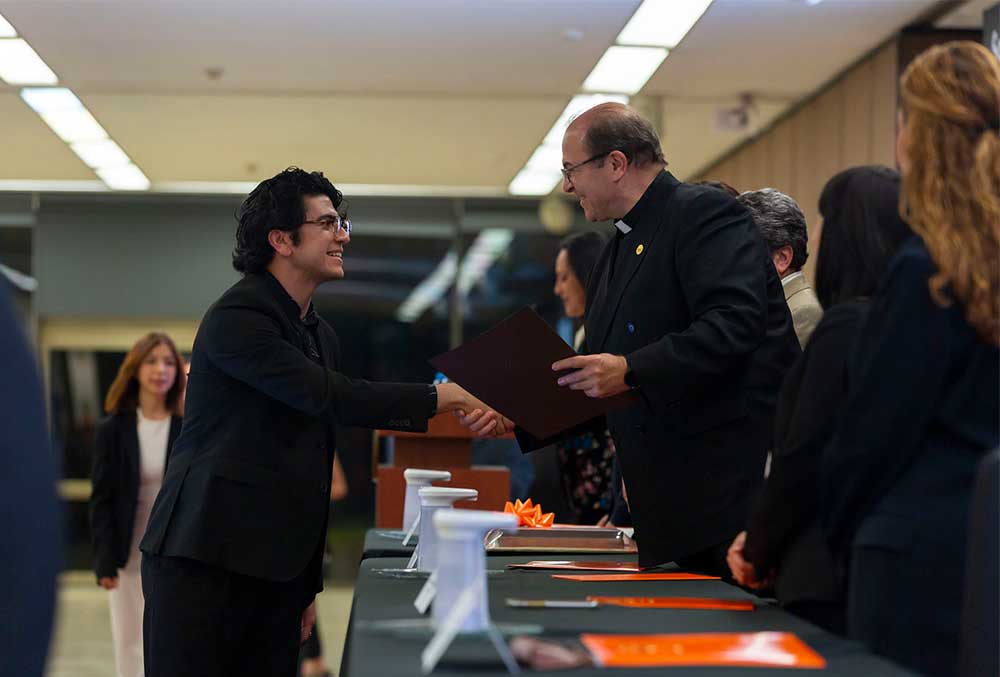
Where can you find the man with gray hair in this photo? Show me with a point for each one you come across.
(783, 226)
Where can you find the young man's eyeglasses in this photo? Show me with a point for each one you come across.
(333, 224)
(568, 171)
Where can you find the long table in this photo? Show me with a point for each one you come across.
(378, 597)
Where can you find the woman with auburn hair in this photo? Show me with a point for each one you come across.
(133, 447)
(922, 410)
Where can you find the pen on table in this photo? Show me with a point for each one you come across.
(552, 603)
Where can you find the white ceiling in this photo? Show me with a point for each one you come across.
(968, 15)
(436, 93)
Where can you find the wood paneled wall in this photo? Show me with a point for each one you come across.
(850, 122)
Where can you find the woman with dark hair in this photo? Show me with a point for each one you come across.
(133, 447)
(586, 462)
(924, 379)
(783, 544)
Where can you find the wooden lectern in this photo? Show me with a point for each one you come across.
(445, 446)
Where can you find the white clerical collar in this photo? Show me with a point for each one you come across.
(623, 227)
(790, 278)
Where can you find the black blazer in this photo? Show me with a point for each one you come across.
(115, 482)
(897, 477)
(784, 531)
(701, 318)
(248, 485)
(921, 414)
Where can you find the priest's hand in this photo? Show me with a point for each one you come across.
(308, 622)
(600, 375)
(743, 570)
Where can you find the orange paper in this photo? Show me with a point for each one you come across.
(676, 603)
(752, 649)
(578, 566)
(680, 576)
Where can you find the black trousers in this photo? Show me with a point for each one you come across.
(202, 621)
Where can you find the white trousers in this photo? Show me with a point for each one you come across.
(127, 603)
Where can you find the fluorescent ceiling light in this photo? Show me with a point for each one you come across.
(430, 290)
(489, 245)
(546, 157)
(128, 177)
(578, 104)
(662, 23)
(75, 125)
(50, 99)
(624, 69)
(6, 30)
(531, 181)
(100, 154)
(20, 65)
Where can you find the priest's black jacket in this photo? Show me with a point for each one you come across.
(690, 297)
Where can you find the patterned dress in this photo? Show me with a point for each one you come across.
(586, 463)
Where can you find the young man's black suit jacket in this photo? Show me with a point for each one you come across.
(115, 479)
(248, 489)
(700, 316)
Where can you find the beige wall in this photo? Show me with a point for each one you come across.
(850, 122)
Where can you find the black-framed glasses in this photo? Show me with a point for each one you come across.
(568, 171)
(333, 224)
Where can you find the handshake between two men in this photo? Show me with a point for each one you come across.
(597, 376)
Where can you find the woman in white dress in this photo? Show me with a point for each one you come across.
(133, 447)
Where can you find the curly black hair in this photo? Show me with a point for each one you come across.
(276, 204)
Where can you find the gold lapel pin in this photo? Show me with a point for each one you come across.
(638, 250)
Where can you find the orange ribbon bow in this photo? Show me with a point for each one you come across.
(528, 514)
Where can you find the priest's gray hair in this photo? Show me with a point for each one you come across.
(780, 221)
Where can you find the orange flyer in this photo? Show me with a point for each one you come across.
(751, 649)
(578, 566)
(676, 603)
(603, 578)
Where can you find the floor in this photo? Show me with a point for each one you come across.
(82, 642)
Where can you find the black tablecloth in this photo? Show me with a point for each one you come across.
(386, 543)
(389, 543)
(378, 597)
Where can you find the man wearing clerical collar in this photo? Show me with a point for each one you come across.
(684, 306)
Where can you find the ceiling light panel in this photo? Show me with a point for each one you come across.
(624, 69)
(578, 104)
(128, 177)
(662, 23)
(531, 181)
(45, 100)
(100, 154)
(6, 30)
(430, 290)
(73, 126)
(20, 65)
